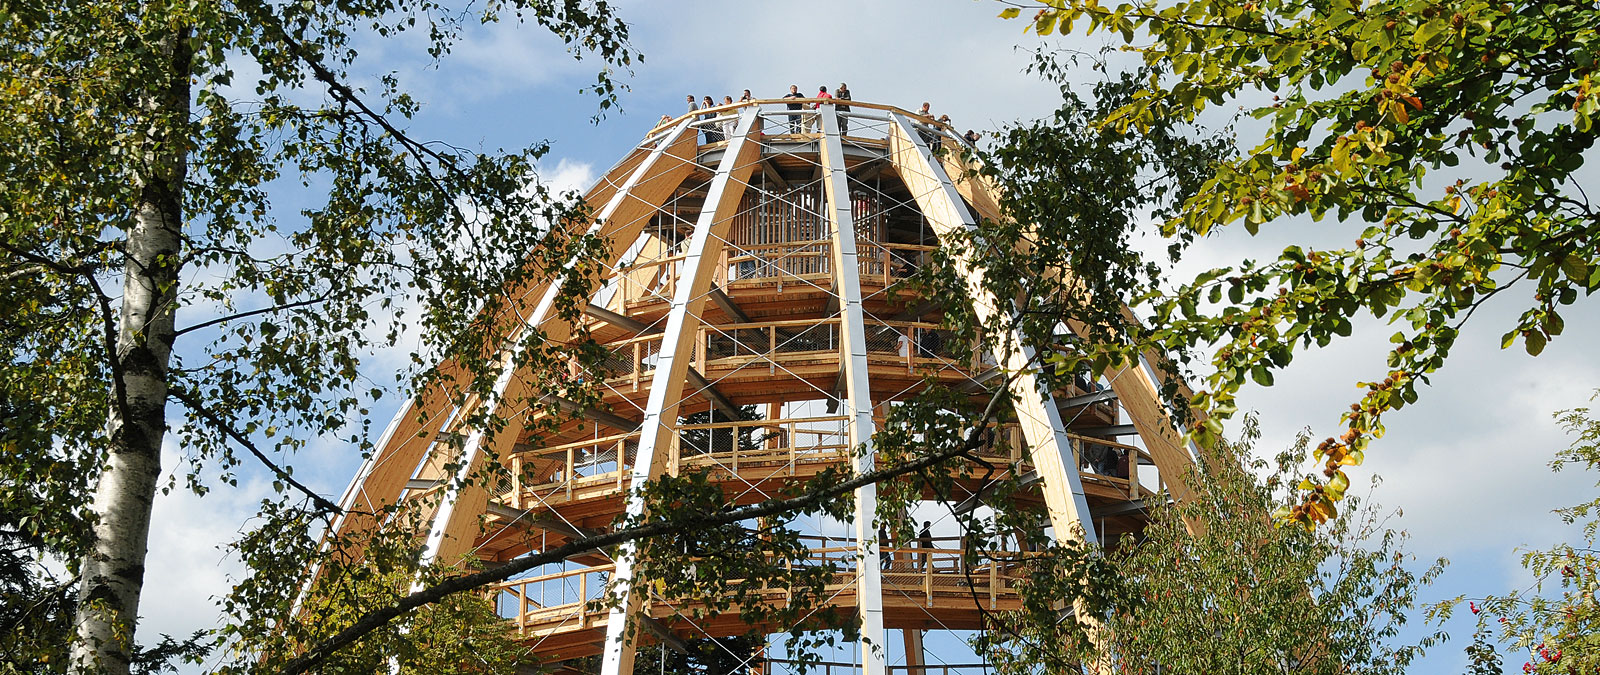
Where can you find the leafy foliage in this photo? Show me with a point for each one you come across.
(1442, 138)
(1214, 586)
(145, 147)
(1555, 622)
(1074, 197)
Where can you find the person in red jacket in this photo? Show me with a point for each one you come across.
(822, 92)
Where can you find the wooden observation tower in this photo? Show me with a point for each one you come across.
(756, 262)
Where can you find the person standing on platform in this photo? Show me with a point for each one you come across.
(925, 542)
(794, 120)
(926, 110)
(729, 125)
(712, 135)
(746, 97)
(822, 92)
(692, 109)
(885, 560)
(843, 94)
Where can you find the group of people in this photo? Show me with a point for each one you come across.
(924, 541)
(840, 94)
(725, 129)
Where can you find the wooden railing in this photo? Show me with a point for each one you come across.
(784, 445)
(866, 119)
(787, 666)
(773, 449)
(734, 345)
(560, 471)
(747, 265)
(569, 598)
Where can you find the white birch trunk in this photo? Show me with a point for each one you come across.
(112, 573)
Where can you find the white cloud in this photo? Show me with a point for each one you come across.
(569, 176)
(186, 569)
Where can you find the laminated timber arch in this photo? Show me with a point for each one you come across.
(756, 260)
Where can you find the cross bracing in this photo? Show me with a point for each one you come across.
(754, 287)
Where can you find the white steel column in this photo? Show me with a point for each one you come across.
(1036, 409)
(695, 273)
(858, 392)
(445, 517)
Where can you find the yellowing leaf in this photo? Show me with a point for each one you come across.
(1010, 13)
(1399, 111)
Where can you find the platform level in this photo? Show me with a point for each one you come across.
(560, 615)
(581, 485)
(767, 362)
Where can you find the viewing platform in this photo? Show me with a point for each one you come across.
(760, 313)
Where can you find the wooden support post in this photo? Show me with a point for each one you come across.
(700, 252)
(916, 659)
(456, 522)
(1037, 414)
(516, 481)
(994, 583)
(858, 392)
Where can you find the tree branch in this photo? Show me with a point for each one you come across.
(107, 316)
(254, 312)
(193, 403)
(812, 497)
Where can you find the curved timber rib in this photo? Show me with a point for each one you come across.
(754, 289)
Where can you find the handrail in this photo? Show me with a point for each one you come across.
(579, 444)
(785, 420)
(726, 107)
(608, 567)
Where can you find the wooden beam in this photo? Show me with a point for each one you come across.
(1086, 399)
(772, 175)
(869, 169)
(666, 637)
(1109, 430)
(722, 403)
(696, 380)
(595, 415)
(1118, 508)
(1035, 406)
(858, 390)
(457, 521)
(546, 522)
(725, 303)
(620, 321)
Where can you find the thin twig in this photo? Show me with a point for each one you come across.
(193, 402)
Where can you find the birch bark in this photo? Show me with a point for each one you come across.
(113, 570)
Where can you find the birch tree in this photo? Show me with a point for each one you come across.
(148, 286)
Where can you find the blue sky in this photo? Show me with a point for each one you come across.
(1466, 465)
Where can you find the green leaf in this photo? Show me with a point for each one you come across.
(1010, 13)
(1534, 342)
(1575, 268)
(1261, 375)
